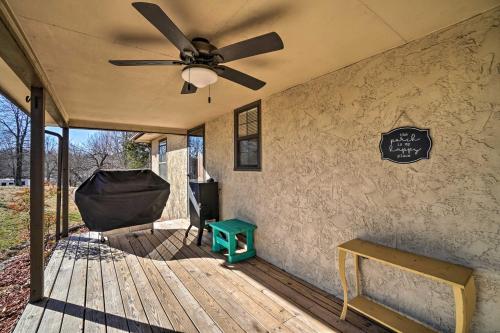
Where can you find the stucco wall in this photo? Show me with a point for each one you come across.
(176, 207)
(323, 181)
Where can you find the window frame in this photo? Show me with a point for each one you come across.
(159, 157)
(258, 136)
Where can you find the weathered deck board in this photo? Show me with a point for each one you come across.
(193, 309)
(274, 309)
(305, 305)
(154, 311)
(323, 300)
(114, 309)
(159, 282)
(233, 275)
(220, 293)
(134, 311)
(175, 313)
(74, 309)
(32, 315)
(225, 322)
(294, 302)
(95, 316)
(260, 313)
(54, 311)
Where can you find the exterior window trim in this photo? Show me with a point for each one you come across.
(258, 136)
(164, 140)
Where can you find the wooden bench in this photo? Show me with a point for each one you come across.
(224, 236)
(458, 277)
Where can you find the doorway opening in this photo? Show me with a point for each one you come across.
(196, 153)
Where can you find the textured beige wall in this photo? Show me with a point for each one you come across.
(323, 181)
(176, 207)
(154, 156)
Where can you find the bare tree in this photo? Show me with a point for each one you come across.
(51, 158)
(7, 160)
(79, 166)
(104, 148)
(14, 127)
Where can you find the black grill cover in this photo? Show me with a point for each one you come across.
(112, 199)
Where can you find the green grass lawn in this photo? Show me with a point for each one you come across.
(74, 217)
(10, 229)
(12, 223)
(14, 215)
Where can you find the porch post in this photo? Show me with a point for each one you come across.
(59, 179)
(65, 180)
(37, 193)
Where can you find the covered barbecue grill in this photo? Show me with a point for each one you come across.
(112, 199)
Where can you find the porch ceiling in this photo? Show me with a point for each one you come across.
(73, 40)
(147, 137)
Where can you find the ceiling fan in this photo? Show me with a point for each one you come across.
(201, 59)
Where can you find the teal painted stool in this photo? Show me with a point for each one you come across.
(230, 228)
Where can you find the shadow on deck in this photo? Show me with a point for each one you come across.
(161, 282)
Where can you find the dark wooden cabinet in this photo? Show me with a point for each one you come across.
(203, 205)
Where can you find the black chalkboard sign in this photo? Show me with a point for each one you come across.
(406, 145)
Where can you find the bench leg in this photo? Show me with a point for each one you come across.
(465, 302)
(216, 247)
(343, 280)
(250, 246)
(231, 239)
(358, 275)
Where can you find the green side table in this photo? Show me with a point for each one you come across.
(230, 228)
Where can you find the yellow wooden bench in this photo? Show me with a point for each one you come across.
(459, 277)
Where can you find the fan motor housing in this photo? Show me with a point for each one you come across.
(205, 55)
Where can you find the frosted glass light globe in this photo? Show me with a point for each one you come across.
(199, 76)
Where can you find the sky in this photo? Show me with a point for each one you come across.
(76, 136)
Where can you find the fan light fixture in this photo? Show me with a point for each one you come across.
(199, 76)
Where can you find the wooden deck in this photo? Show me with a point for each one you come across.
(145, 282)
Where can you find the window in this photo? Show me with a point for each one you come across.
(162, 159)
(247, 138)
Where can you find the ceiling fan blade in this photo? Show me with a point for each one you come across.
(239, 77)
(157, 17)
(188, 88)
(261, 44)
(145, 62)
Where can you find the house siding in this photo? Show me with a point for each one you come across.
(323, 181)
(176, 207)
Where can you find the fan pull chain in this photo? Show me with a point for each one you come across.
(189, 79)
(209, 98)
